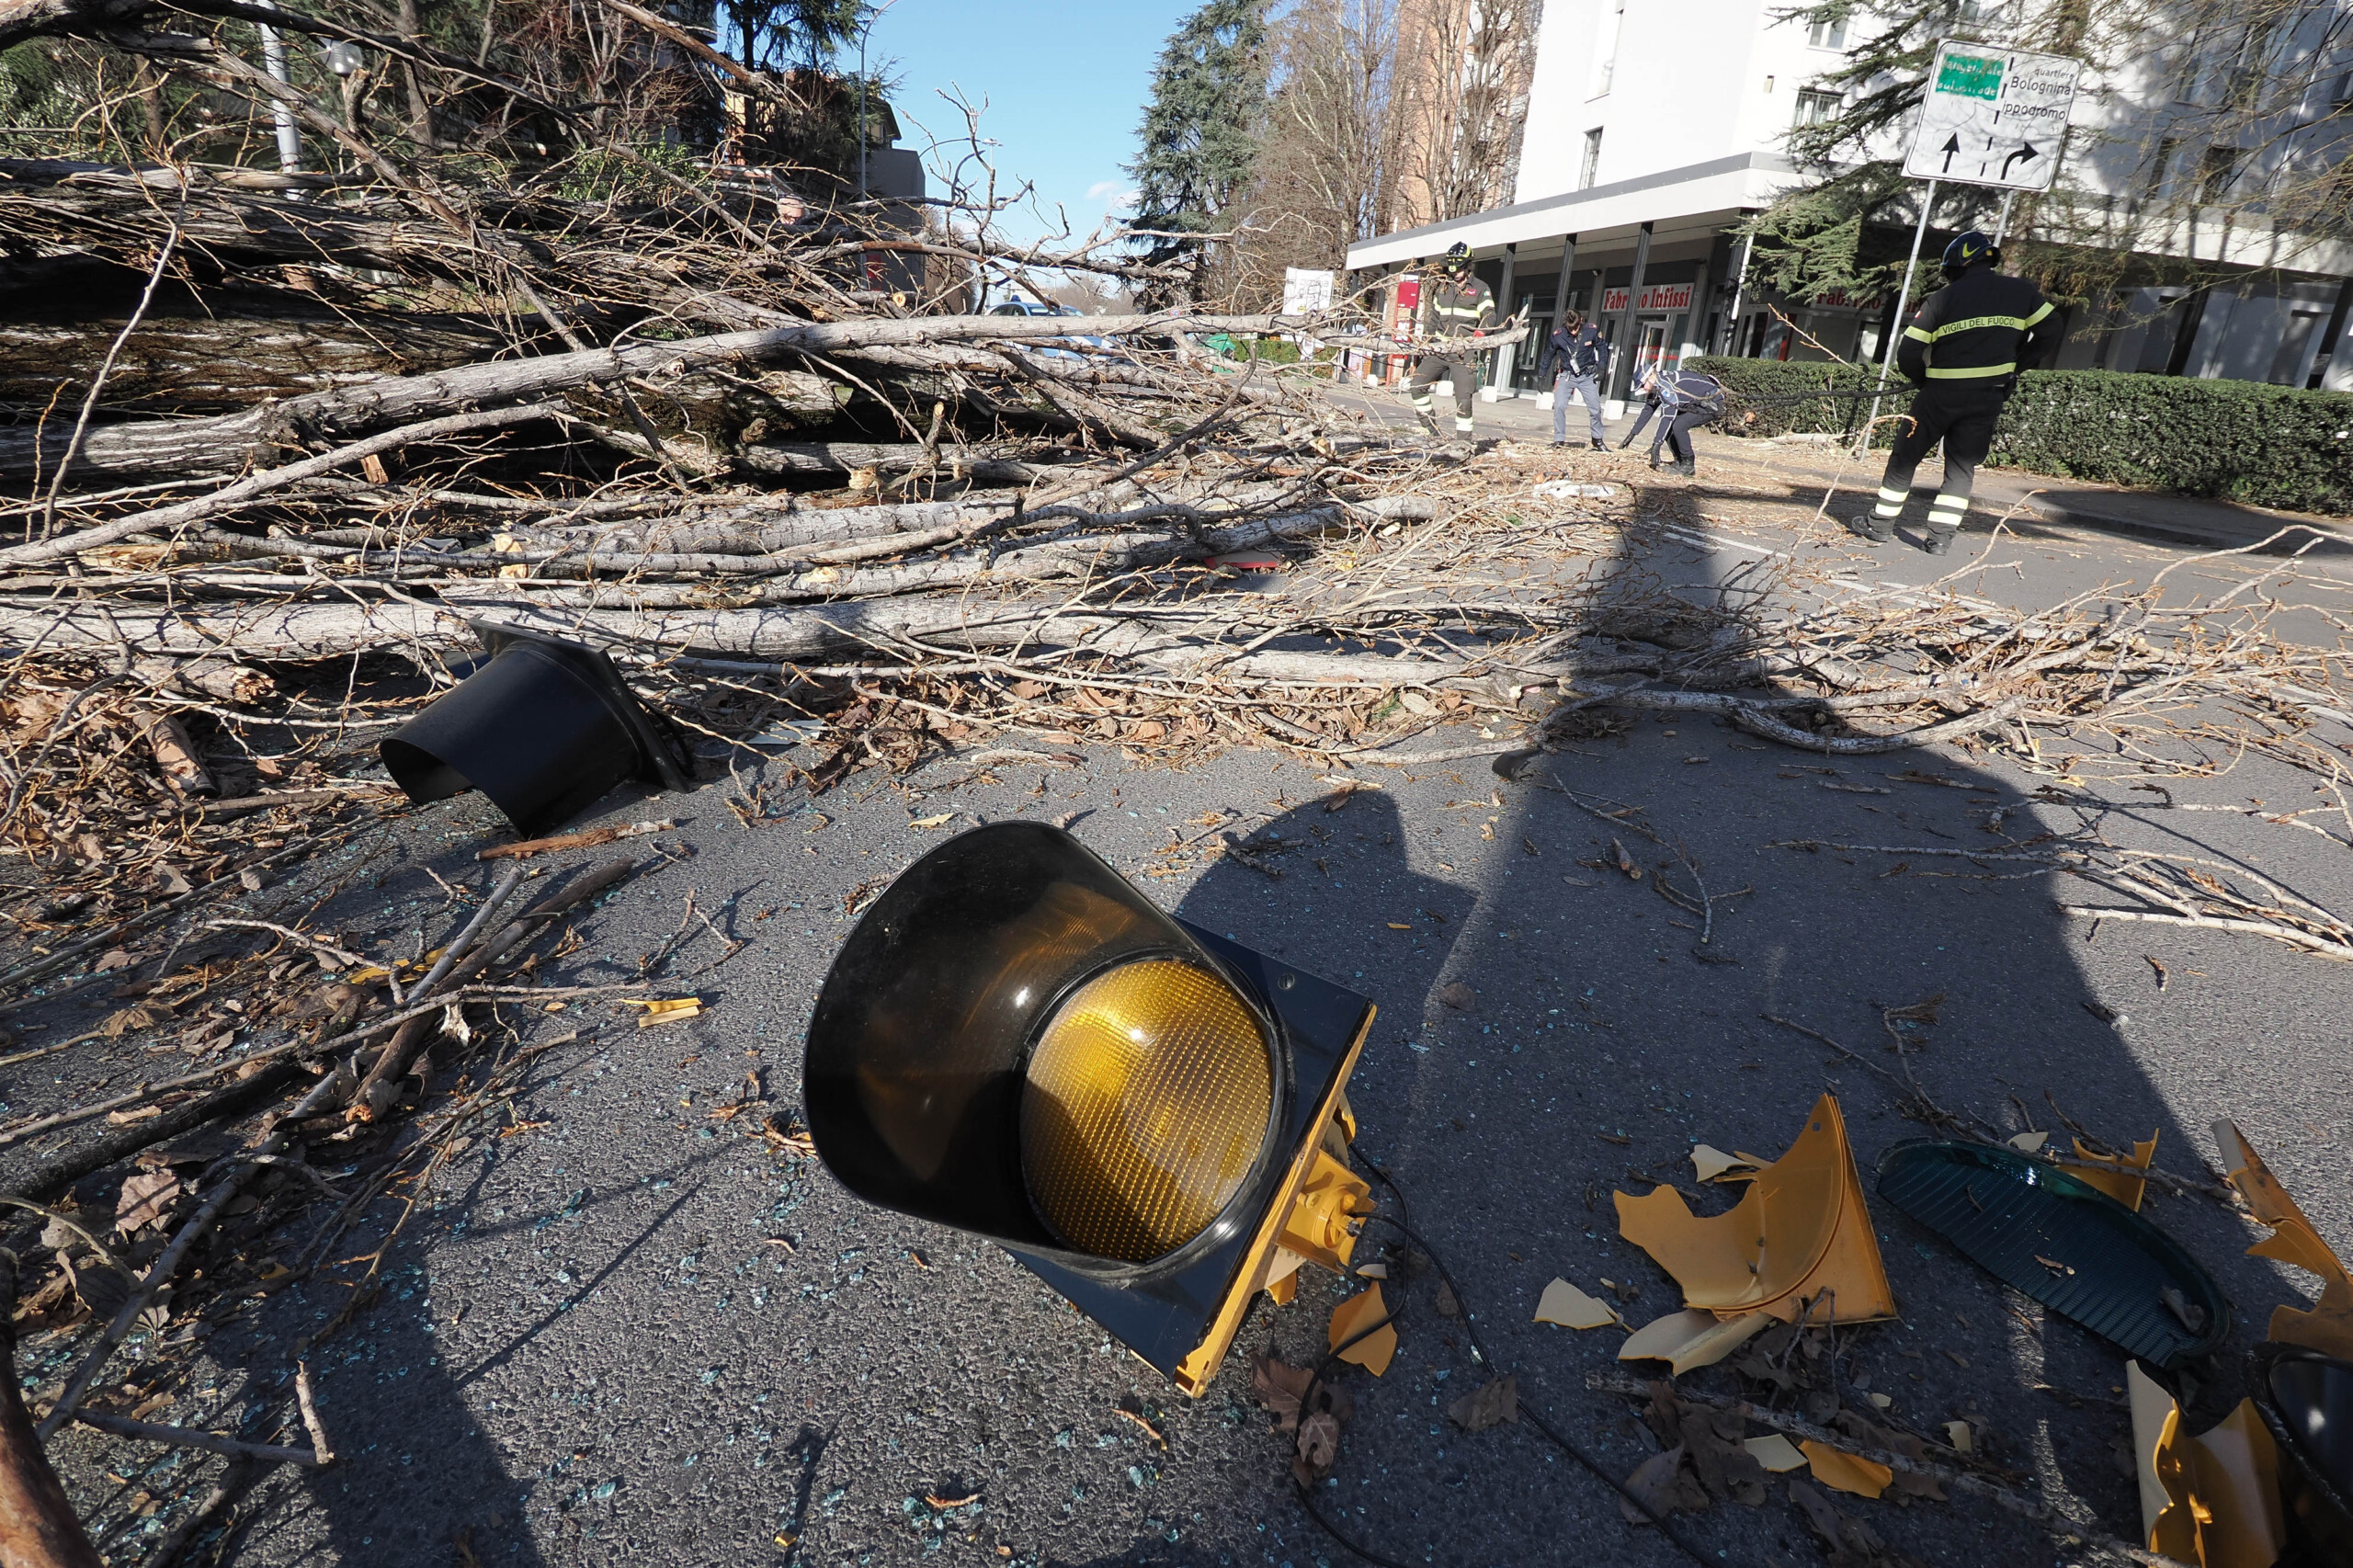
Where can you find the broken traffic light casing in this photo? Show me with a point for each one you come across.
(1016, 1043)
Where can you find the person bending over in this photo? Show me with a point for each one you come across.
(1683, 400)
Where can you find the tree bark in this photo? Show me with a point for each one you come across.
(228, 362)
(22, 20)
(779, 459)
(38, 1529)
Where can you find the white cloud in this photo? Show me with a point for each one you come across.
(1114, 194)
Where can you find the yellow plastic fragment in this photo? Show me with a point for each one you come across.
(1564, 1304)
(2222, 1493)
(2152, 1408)
(1843, 1471)
(1714, 1164)
(2030, 1142)
(667, 1009)
(1351, 1318)
(1957, 1433)
(1776, 1453)
(2124, 1188)
(2328, 1327)
(1801, 1234)
(1690, 1339)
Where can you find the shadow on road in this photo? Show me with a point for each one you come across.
(1600, 1041)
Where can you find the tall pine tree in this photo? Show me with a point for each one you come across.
(1200, 128)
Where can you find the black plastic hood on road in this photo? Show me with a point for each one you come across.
(2064, 1243)
(544, 729)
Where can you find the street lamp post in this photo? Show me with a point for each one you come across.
(872, 15)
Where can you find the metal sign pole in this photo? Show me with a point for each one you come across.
(2002, 228)
(1895, 327)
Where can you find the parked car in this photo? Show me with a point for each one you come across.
(1041, 308)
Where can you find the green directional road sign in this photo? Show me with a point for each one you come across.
(1993, 116)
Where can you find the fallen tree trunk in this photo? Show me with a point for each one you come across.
(38, 1529)
(209, 365)
(797, 460)
(257, 436)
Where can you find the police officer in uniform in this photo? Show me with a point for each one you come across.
(1454, 304)
(1962, 352)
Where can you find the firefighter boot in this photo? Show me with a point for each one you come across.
(1870, 530)
(1937, 541)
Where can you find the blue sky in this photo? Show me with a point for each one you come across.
(1064, 85)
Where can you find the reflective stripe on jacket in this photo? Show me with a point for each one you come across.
(1981, 327)
(1455, 309)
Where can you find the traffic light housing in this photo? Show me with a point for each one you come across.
(1150, 1118)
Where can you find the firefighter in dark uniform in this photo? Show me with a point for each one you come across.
(1454, 304)
(1962, 351)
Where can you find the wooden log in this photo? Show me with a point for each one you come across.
(780, 460)
(176, 753)
(217, 679)
(181, 366)
(255, 437)
(61, 1170)
(38, 1527)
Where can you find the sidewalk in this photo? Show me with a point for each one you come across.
(2063, 505)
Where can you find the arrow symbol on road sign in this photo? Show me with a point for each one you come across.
(2026, 151)
(1951, 146)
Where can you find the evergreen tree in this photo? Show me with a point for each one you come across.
(1201, 128)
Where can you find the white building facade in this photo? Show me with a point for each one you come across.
(1654, 131)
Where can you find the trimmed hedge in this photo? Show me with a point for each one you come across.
(2244, 441)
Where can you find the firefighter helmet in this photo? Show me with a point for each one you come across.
(1972, 249)
(1457, 259)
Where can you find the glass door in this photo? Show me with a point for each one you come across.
(1650, 345)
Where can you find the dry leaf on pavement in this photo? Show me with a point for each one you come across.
(1663, 1484)
(146, 1200)
(1846, 1541)
(1278, 1386)
(1490, 1405)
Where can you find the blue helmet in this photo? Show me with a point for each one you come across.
(1972, 249)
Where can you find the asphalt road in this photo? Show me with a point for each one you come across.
(625, 1330)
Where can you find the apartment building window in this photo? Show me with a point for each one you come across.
(1827, 35)
(1591, 165)
(2167, 146)
(1816, 106)
(1984, 14)
(1613, 26)
(2218, 170)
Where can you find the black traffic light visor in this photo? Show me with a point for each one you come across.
(1016, 1043)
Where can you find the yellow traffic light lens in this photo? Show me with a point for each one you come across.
(1145, 1104)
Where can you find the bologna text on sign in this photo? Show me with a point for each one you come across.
(1993, 116)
